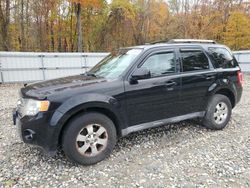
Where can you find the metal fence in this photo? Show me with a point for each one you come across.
(243, 58)
(29, 67)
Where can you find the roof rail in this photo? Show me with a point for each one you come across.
(156, 42)
(191, 41)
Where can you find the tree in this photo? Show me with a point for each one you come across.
(237, 34)
(4, 23)
(79, 27)
(88, 4)
(95, 25)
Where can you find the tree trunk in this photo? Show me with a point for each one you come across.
(22, 27)
(72, 36)
(59, 36)
(4, 23)
(27, 25)
(65, 45)
(79, 28)
(52, 39)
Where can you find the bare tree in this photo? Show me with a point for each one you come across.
(79, 27)
(23, 42)
(4, 23)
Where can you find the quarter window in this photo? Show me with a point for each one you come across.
(223, 58)
(194, 60)
(160, 64)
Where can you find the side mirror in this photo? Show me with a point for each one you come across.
(141, 73)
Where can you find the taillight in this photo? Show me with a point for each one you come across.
(240, 77)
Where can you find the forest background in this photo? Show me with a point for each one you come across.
(99, 25)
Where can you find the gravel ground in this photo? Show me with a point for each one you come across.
(178, 155)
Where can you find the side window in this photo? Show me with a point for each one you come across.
(222, 57)
(194, 60)
(160, 63)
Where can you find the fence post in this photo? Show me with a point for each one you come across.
(1, 72)
(85, 63)
(43, 68)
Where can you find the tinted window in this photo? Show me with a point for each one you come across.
(223, 58)
(161, 63)
(194, 60)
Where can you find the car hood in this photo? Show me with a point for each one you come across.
(40, 90)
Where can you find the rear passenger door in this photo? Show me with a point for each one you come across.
(197, 76)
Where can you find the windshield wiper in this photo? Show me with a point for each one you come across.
(91, 74)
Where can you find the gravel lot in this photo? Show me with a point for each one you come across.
(178, 155)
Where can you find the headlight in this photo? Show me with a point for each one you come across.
(32, 107)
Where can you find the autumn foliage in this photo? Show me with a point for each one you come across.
(98, 25)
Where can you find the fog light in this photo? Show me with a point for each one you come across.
(29, 134)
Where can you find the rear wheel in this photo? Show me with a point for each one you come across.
(89, 138)
(218, 112)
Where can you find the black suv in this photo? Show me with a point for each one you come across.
(137, 88)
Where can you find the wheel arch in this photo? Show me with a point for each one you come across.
(81, 111)
(81, 104)
(228, 93)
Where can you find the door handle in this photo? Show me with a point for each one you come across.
(167, 83)
(210, 77)
(170, 83)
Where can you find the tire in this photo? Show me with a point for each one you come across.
(218, 112)
(85, 145)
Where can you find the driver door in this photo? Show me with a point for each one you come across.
(157, 97)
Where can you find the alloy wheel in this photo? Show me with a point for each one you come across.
(92, 140)
(220, 113)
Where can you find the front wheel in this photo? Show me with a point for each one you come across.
(89, 138)
(218, 112)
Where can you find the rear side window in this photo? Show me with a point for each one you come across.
(222, 57)
(194, 60)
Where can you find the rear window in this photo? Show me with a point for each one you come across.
(222, 57)
(194, 60)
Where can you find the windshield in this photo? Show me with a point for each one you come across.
(114, 65)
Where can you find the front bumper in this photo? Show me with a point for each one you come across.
(37, 131)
